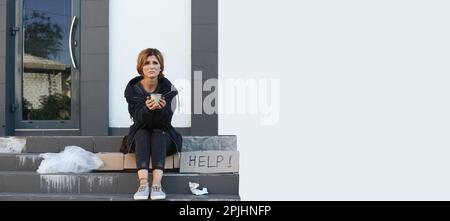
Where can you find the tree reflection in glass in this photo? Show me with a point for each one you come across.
(46, 80)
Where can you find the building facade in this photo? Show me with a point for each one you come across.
(63, 63)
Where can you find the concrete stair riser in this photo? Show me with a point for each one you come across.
(110, 197)
(31, 162)
(54, 144)
(111, 183)
(19, 162)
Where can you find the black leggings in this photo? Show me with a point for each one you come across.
(155, 143)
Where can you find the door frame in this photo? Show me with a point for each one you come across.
(21, 125)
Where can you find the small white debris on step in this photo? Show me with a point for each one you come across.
(195, 191)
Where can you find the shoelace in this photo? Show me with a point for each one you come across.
(156, 188)
(142, 188)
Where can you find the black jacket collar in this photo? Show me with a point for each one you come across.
(164, 84)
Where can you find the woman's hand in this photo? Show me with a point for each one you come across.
(151, 105)
(162, 103)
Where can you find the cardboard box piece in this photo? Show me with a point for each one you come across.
(112, 161)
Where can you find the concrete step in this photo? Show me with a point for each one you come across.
(54, 144)
(19, 162)
(12, 144)
(112, 183)
(109, 197)
(31, 162)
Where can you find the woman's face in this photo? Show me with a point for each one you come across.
(151, 68)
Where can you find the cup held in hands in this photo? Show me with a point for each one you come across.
(155, 97)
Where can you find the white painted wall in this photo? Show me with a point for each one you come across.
(364, 111)
(138, 24)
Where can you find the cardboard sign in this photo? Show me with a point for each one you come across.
(209, 162)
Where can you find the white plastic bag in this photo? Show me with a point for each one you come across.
(72, 160)
(196, 191)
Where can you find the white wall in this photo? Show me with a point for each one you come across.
(364, 98)
(138, 24)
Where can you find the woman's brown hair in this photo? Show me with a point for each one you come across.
(142, 58)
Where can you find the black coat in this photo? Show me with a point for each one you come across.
(143, 117)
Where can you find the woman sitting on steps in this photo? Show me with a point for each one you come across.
(151, 133)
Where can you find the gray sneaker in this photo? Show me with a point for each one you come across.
(157, 193)
(142, 193)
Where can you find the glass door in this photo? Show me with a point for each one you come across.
(47, 74)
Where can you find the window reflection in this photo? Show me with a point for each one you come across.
(46, 79)
(46, 89)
